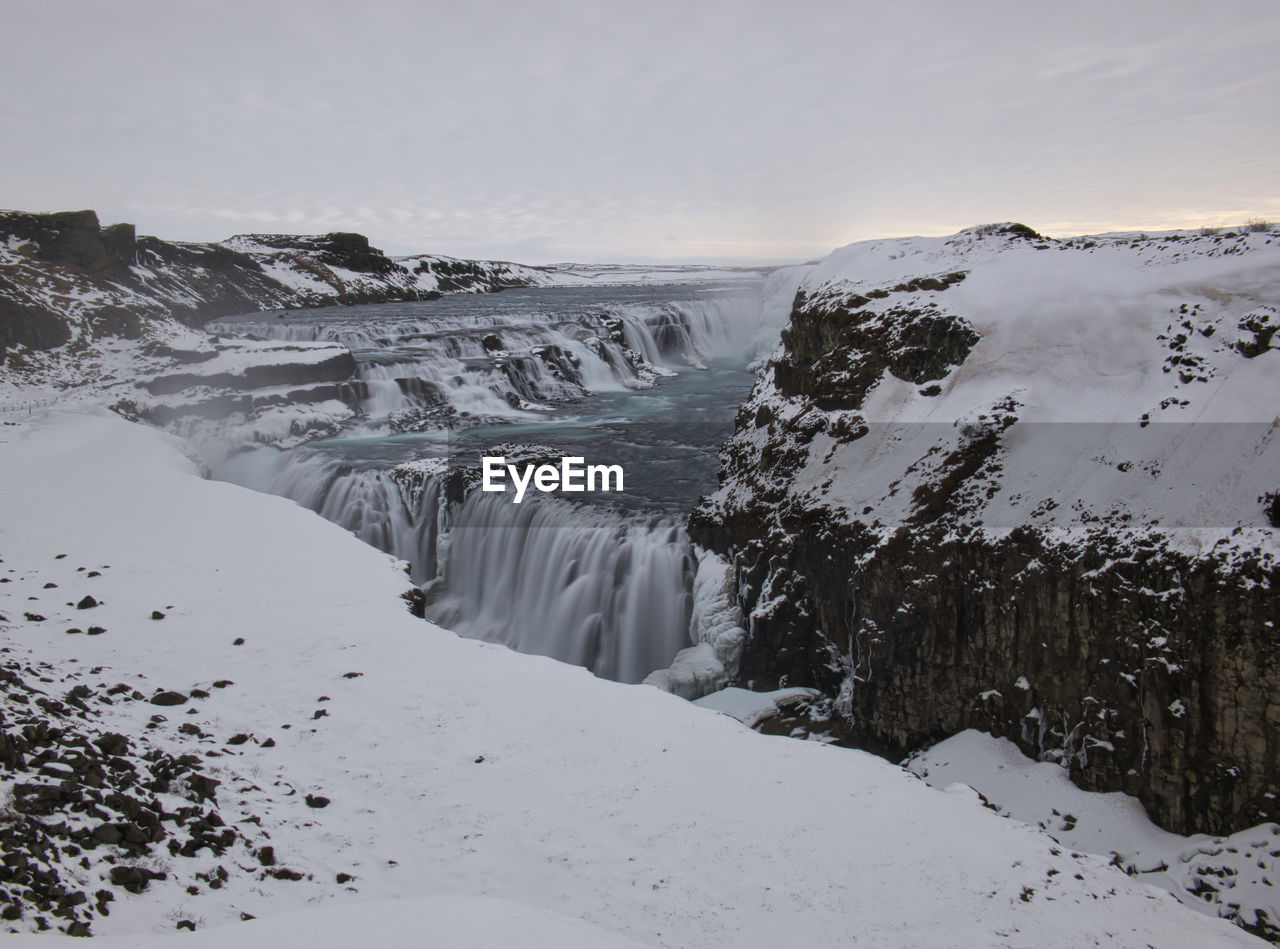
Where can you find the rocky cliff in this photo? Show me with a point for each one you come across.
(1002, 482)
(63, 276)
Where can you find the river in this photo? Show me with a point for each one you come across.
(645, 377)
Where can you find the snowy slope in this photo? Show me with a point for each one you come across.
(1231, 877)
(456, 768)
(1109, 368)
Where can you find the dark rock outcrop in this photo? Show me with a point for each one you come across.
(336, 368)
(29, 326)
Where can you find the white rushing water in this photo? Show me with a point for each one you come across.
(614, 598)
(606, 589)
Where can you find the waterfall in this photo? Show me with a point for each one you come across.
(600, 589)
(588, 588)
(451, 367)
(547, 579)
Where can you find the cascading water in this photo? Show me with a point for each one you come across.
(606, 589)
(613, 597)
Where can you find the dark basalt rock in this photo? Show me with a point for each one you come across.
(336, 368)
(65, 237)
(834, 355)
(134, 879)
(168, 697)
(27, 326)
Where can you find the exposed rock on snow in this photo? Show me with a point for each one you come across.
(86, 804)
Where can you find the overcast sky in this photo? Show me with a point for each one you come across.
(553, 129)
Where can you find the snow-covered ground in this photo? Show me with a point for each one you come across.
(456, 769)
(1213, 873)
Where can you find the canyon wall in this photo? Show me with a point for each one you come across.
(1000, 482)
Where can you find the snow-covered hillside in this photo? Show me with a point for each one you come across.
(363, 755)
(1109, 367)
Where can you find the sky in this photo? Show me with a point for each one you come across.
(550, 130)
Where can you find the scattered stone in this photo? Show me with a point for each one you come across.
(96, 631)
(87, 603)
(34, 617)
(320, 713)
(93, 573)
(74, 630)
(352, 675)
(267, 856)
(199, 694)
(168, 697)
(134, 879)
(317, 801)
(238, 641)
(156, 614)
(345, 878)
(50, 585)
(223, 683)
(186, 924)
(107, 834)
(59, 556)
(269, 743)
(239, 739)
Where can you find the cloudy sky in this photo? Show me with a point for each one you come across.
(554, 129)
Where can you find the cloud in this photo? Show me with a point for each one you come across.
(573, 129)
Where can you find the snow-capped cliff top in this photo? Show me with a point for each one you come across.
(1129, 379)
(1081, 330)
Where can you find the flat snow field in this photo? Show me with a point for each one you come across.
(493, 798)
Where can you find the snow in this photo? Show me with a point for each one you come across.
(751, 708)
(466, 922)
(458, 769)
(1112, 825)
(1118, 362)
(716, 630)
